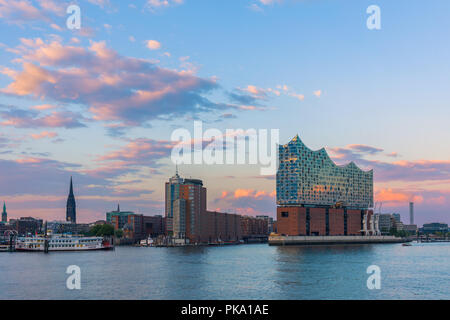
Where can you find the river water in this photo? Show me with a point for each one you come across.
(258, 271)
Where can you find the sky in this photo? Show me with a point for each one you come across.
(100, 103)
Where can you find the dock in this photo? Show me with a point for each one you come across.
(279, 240)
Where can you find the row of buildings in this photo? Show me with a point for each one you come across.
(315, 197)
(391, 222)
(188, 219)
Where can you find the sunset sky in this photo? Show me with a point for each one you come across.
(100, 103)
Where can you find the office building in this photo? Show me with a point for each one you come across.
(398, 225)
(185, 203)
(385, 223)
(410, 228)
(396, 217)
(434, 228)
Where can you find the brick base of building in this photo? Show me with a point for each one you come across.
(314, 221)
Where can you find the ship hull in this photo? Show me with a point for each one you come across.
(63, 250)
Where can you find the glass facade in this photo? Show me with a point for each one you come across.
(307, 177)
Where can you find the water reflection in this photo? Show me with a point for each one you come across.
(231, 272)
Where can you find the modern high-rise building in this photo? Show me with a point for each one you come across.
(386, 222)
(411, 213)
(188, 220)
(4, 213)
(397, 217)
(71, 208)
(185, 203)
(307, 177)
(317, 197)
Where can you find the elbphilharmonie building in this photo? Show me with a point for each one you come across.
(307, 177)
(317, 197)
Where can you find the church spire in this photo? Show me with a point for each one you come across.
(71, 187)
(4, 214)
(71, 213)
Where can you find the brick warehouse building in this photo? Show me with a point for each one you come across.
(187, 216)
(316, 197)
(137, 226)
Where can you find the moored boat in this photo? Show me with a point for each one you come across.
(406, 244)
(147, 242)
(57, 243)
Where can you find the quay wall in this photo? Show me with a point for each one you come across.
(313, 240)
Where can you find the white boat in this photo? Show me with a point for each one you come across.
(62, 243)
(147, 242)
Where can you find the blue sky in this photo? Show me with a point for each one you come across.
(307, 67)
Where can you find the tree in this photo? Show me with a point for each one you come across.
(102, 230)
(119, 233)
(398, 233)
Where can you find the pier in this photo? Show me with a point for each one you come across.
(279, 240)
(8, 241)
(431, 238)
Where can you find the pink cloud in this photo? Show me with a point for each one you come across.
(21, 12)
(44, 107)
(389, 196)
(112, 87)
(247, 202)
(43, 135)
(30, 119)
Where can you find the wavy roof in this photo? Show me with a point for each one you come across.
(323, 151)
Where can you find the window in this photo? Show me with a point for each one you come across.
(284, 214)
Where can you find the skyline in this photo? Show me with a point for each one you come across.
(100, 104)
(72, 204)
